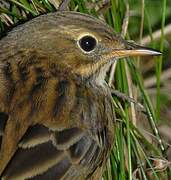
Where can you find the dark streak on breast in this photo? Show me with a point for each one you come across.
(23, 73)
(61, 97)
(7, 70)
(3, 120)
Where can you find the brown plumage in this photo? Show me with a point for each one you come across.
(56, 119)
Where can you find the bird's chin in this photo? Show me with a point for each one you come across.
(99, 76)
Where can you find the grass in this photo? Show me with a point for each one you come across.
(132, 151)
(159, 62)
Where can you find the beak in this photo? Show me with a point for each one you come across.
(131, 49)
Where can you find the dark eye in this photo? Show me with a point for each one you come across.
(87, 43)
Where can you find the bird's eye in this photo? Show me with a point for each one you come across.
(87, 43)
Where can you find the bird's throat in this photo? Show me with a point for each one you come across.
(99, 76)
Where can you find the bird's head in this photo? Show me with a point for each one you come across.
(81, 43)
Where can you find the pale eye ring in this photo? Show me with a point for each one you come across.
(87, 43)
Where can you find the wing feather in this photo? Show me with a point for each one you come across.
(43, 159)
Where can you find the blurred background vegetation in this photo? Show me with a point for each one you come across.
(141, 87)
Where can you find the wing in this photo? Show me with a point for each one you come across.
(46, 154)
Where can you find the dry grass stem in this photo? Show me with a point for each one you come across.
(157, 35)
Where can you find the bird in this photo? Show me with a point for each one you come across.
(57, 117)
